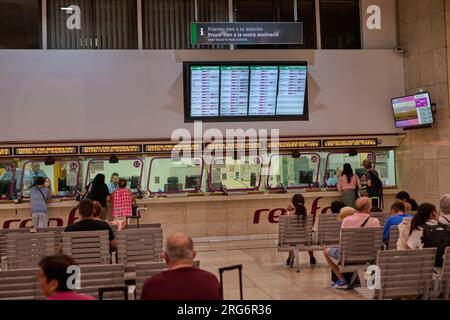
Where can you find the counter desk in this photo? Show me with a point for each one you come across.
(205, 217)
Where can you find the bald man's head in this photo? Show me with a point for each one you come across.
(179, 247)
(363, 204)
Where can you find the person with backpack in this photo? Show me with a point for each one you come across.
(373, 183)
(40, 196)
(426, 216)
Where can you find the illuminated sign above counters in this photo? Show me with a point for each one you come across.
(46, 151)
(296, 144)
(168, 147)
(4, 152)
(111, 149)
(350, 143)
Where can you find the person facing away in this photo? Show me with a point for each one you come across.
(444, 208)
(426, 215)
(360, 219)
(182, 281)
(88, 223)
(410, 204)
(40, 196)
(53, 276)
(347, 184)
(122, 199)
(97, 190)
(298, 208)
(398, 213)
(113, 182)
(372, 179)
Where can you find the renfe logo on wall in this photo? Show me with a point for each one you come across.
(273, 215)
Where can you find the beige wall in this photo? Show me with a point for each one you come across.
(424, 156)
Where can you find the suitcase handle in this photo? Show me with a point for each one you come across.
(235, 267)
(124, 289)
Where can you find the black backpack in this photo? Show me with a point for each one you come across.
(436, 236)
(376, 189)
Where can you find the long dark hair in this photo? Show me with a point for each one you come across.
(404, 196)
(348, 171)
(424, 213)
(299, 203)
(98, 180)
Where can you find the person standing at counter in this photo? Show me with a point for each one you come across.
(349, 184)
(113, 184)
(122, 200)
(40, 195)
(97, 190)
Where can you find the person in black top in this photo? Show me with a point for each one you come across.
(97, 190)
(88, 223)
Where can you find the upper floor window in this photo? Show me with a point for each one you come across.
(279, 11)
(92, 24)
(20, 24)
(340, 24)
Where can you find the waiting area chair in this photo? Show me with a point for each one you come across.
(96, 277)
(394, 234)
(329, 230)
(358, 249)
(20, 284)
(25, 250)
(295, 234)
(87, 247)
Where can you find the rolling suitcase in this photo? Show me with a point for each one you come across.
(239, 268)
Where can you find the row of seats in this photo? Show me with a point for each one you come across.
(22, 284)
(406, 273)
(24, 249)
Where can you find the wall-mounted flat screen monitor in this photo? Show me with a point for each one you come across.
(245, 91)
(413, 111)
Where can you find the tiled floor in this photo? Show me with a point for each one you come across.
(265, 277)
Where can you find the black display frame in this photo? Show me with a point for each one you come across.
(187, 92)
(420, 126)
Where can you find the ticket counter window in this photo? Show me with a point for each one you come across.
(62, 178)
(335, 163)
(167, 175)
(385, 166)
(242, 174)
(294, 171)
(8, 187)
(131, 170)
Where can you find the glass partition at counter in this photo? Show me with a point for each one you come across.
(130, 169)
(294, 173)
(383, 162)
(9, 182)
(235, 174)
(335, 163)
(169, 176)
(63, 177)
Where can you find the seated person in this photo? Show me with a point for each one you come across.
(360, 219)
(397, 216)
(444, 207)
(345, 212)
(182, 281)
(96, 215)
(89, 223)
(53, 276)
(426, 215)
(336, 206)
(410, 204)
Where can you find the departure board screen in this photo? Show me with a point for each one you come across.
(245, 91)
